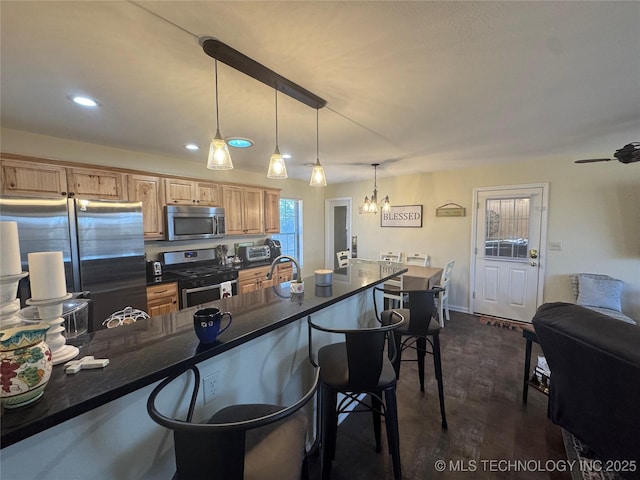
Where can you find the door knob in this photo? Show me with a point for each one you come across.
(533, 253)
(533, 264)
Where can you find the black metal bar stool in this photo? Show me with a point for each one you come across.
(252, 441)
(354, 367)
(421, 327)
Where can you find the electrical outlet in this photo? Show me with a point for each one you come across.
(210, 386)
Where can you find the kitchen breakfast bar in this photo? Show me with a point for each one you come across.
(94, 424)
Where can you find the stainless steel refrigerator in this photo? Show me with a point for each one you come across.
(102, 243)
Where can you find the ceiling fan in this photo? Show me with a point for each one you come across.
(628, 154)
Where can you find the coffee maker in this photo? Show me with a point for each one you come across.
(274, 246)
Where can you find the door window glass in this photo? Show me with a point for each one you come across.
(507, 227)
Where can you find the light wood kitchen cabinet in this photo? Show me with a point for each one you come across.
(162, 298)
(94, 183)
(244, 210)
(150, 191)
(272, 211)
(46, 180)
(179, 192)
(252, 279)
(209, 194)
(33, 179)
(285, 272)
(185, 192)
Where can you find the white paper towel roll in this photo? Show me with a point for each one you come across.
(46, 274)
(9, 249)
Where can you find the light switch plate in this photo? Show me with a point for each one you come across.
(555, 246)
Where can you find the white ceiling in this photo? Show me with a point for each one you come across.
(415, 86)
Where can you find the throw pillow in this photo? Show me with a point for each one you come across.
(599, 292)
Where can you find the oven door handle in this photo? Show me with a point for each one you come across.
(207, 287)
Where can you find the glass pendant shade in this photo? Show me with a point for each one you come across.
(318, 179)
(366, 205)
(219, 157)
(277, 167)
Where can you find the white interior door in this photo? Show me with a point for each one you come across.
(338, 230)
(510, 236)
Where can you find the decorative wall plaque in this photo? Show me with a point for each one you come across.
(407, 216)
(450, 210)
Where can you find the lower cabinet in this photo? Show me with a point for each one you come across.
(285, 272)
(162, 298)
(252, 279)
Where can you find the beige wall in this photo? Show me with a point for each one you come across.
(594, 210)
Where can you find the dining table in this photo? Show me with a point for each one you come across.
(421, 278)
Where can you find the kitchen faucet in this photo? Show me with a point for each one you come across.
(277, 259)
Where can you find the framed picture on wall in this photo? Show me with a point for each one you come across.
(403, 216)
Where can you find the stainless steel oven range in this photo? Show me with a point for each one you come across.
(201, 278)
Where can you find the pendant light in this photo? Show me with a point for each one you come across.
(318, 178)
(219, 157)
(277, 167)
(371, 205)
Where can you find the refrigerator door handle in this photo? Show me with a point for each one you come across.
(75, 253)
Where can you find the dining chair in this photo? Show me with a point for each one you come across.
(442, 299)
(239, 442)
(420, 328)
(390, 257)
(343, 257)
(358, 365)
(419, 259)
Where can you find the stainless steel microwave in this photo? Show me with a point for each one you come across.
(193, 223)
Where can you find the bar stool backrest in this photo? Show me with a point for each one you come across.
(365, 351)
(364, 357)
(422, 307)
(217, 450)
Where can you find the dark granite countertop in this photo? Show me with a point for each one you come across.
(166, 277)
(149, 350)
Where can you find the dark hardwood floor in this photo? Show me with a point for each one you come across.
(483, 367)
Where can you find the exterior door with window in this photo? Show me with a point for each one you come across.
(509, 246)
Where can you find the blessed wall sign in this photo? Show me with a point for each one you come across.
(404, 216)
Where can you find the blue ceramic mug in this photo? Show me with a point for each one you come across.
(206, 323)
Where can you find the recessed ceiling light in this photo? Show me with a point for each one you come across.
(286, 155)
(192, 146)
(238, 142)
(84, 101)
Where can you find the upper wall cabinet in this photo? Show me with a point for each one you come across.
(150, 191)
(98, 184)
(272, 211)
(185, 192)
(244, 210)
(45, 180)
(33, 179)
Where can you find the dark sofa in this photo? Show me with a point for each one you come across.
(595, 378)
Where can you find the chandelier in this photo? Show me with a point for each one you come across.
(371, 205)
